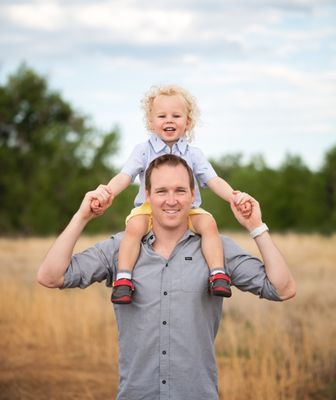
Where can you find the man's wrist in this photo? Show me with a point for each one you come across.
(82, 218)
(255, 232)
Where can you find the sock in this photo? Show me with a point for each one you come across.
(124, 275)
(217, 270)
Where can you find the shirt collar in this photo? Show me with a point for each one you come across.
(182, 144)
(150, 237)
(158, 144)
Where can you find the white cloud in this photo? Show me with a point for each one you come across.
(38, 15)
(128, 22)
(258, 67)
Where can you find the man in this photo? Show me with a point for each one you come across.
(166, 336)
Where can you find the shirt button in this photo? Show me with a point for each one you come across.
(163, 381)
(164, 322)
(164, 352)
(165, 293)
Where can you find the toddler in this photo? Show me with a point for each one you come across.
(171, 114)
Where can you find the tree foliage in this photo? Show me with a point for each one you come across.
(50, 155)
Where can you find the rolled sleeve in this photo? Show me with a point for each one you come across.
(95, 264)
(202, 169)
(247, 272)
(136, 163)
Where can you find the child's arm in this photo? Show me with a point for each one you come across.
(119, 183)
(116, 185)
(219, 186)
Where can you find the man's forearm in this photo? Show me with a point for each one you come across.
(276, 267)
(51, 271)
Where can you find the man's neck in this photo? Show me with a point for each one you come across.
(166, 240)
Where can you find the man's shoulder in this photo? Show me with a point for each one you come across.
(230, 246)
(110, 244)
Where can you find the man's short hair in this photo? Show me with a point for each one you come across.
(172, 161)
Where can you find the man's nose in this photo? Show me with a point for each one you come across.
(171, 198)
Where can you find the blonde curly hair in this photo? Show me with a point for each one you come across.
(171, 90)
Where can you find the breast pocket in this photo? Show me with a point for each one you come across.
(194, 276)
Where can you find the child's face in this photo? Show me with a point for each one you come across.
(169, 118)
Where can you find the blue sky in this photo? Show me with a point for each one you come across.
(263, 71)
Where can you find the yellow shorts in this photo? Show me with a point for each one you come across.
(145, 209)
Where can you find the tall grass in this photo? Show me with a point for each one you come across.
(63, 344)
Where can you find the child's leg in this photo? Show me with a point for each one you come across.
(129, 250)
(212, 248)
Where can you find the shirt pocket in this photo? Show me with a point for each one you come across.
(194, 275)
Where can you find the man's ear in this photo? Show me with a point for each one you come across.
(147, 196)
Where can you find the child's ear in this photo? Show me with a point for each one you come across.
(188, 124)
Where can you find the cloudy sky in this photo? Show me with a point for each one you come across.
(263, 71)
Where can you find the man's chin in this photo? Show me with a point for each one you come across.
(172, 222)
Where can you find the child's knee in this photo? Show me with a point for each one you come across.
(137, 226)
(204, 223)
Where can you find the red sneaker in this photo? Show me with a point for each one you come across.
(219, 285)
(122, 291)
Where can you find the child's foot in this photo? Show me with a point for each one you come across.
(219, 285)
(122, 291)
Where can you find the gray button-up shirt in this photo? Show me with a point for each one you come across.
(166, 335)
(144, 153)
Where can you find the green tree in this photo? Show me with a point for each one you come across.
(49, 156)
(328, 179)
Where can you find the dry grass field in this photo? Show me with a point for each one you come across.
(62, 344)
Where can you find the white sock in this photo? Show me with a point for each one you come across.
(124, 275)
(217, 271)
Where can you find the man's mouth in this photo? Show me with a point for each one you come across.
(171, 211)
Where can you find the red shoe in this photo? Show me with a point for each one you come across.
(219, 285)
(122, 291)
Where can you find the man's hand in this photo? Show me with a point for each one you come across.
(96, 202)
(52, 270)
(251, 219)
(242, 200)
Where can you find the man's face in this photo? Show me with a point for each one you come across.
(170, 197)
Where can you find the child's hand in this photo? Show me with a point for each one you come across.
(98, 207)
(243, 201)
(246, 208)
